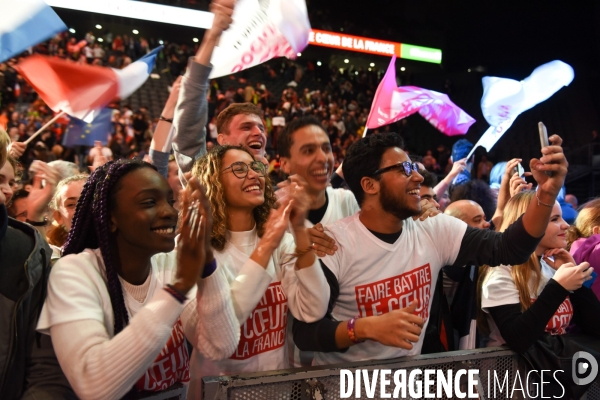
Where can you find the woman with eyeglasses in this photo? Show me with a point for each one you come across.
(269, 269)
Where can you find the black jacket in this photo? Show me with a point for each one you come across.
(24, 270)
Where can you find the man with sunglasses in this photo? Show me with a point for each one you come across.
(381, 276)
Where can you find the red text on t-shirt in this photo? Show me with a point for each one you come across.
(265, 328)
(172, 364)
(561, 318)
(397, 292)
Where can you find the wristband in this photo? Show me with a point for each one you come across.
(180, 297)
(169, 120)
(209, 268)
(540, 203)
(351, 333)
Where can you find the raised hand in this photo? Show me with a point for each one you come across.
(519, 184)
(223, 10)
(277, 224)
(193, 245)
(553, 160)
(16, 149)
(44, 185)
(294, 188)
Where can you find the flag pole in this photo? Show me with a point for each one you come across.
(57, 116)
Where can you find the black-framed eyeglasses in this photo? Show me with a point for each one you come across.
(407, 167)
(240, 168)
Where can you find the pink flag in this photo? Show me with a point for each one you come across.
(392, 103)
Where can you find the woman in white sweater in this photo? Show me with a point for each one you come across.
(269, 269)
(121, 300)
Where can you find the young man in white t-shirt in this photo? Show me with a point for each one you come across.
(305, 150)
(381, 275)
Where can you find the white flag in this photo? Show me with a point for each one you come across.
(261, 30)
(504, 99)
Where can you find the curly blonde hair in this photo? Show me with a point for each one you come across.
(208, 171)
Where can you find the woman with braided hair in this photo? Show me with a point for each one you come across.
(121, 300)
(269, 269)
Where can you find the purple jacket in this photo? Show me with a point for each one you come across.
(588, 249)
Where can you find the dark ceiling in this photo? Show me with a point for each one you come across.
(508, 38)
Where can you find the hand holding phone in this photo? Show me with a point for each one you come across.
(544, 139)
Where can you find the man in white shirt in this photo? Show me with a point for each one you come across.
(305, 151)
(99, 154)
(381, 275)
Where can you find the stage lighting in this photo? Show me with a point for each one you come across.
(135, 31)
(372, 64)
(195, 40)
(72, 30)
(98, 26)
(346, 61)
(319, 63)
(402, 69)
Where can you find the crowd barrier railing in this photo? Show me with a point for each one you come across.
(323, 383)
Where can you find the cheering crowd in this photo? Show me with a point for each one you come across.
(193, 252)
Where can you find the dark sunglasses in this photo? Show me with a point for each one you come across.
(240, 168)
(407, 167)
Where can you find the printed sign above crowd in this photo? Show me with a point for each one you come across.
(261, 30)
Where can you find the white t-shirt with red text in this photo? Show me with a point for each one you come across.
(499, 289)
(376, 277)
(261, 298)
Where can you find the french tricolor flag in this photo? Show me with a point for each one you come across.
(81, 89)
(25, 23)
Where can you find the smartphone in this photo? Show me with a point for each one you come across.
(519, 169)
(544, 139)
(543, 134)
(588, 284)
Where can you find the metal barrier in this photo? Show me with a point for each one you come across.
(323, 383)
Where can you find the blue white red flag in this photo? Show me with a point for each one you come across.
(26, 23)
(80, 89)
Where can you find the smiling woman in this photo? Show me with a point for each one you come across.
(120, 279)
(269, 270)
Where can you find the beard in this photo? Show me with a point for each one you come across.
(397, 207)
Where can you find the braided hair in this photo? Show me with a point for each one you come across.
(91, 227)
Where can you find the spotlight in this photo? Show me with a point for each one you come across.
(469, 70)
(100, 40)
(299, 54)
(319, 63)
(402, 69)
(346, 61)
(195, 40)
(72, 30)
(372, 64)
(98, 26)
(161, 42)
(369, 69)
(135, 31)
(355, 72)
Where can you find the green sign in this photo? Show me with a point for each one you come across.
(419, 53)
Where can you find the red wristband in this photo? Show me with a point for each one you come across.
(351, 333)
